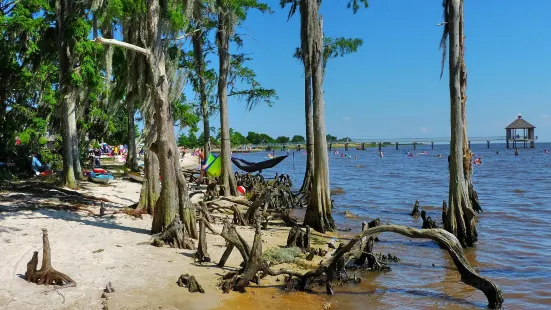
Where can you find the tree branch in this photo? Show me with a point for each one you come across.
(124, 45)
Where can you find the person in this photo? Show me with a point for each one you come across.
(546, 151)
(202, 160)
(380, 153)
(356, 157)
(516, 152)
(37, 166)
(497, 152)
(116, 150)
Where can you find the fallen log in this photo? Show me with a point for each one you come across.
(47, 274)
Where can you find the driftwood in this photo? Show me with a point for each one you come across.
(191, 283)
(446, 240)
(175, 235)
(428, 222)
(47, 274)
(299, 238)
(415, 211)
(205, 212)
(237, 216)
(202, 256)
(233, 239)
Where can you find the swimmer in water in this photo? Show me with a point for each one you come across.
(356, 157)
(497, 152)
(516, 152)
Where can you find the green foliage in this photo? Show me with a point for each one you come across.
(298, 138)
(282, 139)
(243, 75)
(335, 47)
(281, 255)
(259, 138)
(189, 140)
(356, 4)
(330, 138)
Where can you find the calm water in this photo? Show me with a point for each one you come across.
(514, 229)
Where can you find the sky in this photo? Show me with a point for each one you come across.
(391, 88)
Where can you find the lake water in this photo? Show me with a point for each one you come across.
(514, 230)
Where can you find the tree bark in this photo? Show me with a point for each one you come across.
(318, 212)
(174, 196)
(467, 159)
(227, 181)
(308, 174)
(460, 219)
(150, 186)
(67, 94)
(197, 40)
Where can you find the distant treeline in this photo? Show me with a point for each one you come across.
(190, 140)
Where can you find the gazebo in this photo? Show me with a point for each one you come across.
(520, 131)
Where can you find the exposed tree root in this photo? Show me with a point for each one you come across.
(191, 283)
(175, 235)
(299, 238)
(415, 211)
(202, 256)
(47, 274)
(428, 222)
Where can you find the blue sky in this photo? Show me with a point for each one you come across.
(391, 87)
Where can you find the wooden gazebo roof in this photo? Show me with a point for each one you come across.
(519, 123)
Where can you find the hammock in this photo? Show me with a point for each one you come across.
(253, 167)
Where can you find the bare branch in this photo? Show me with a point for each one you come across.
(125, 45)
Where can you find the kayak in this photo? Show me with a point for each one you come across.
(135, 177)
(100, 178)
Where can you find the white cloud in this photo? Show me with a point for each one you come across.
(544, 115)
(346, 118)
(423, 129)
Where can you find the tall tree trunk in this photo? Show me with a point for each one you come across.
(68, 96)
(308, 174)
(74, 138)
(150, 187)
(227, 180)
(318, 212)
(174, 197)
(467, 159)
(132, 156)
(460, 219)
(197, 40)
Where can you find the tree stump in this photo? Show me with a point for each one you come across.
(191, 283)
(47, 274)
(428, 222)
(415, 211)
(233, 239)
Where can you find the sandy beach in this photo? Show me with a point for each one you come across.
(96, 250)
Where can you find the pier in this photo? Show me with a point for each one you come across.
(362, 144)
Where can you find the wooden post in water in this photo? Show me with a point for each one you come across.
(488, 142)
(346, 147)
(414, 145)
(380, 146)
(432, 145)
(363, 146)
(469, 144)
(396, 145)
(330, 146)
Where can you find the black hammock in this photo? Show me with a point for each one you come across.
(259, 166)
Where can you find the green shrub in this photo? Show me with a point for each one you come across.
(281, 255)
